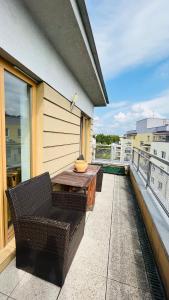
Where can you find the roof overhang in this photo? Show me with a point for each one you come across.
(66, 25)
(161, 133)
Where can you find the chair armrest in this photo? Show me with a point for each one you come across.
(69, 200)
(44, 234)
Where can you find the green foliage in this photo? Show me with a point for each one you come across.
(106, 139)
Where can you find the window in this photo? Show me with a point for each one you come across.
(17, 117)
(155, 152)
(19, 132)
(85, 125)
(163, 154)
(160, 185)
(141, 143)
(161, 172)
(152, 179)
(153, 168)
(7, 132)
(148, 138)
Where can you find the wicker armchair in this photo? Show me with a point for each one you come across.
(48, 227)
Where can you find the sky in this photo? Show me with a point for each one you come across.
(132, 41)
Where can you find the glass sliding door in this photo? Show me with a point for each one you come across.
(18, 131)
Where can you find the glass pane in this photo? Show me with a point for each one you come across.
(17, 122)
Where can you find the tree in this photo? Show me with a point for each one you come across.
(107, 139)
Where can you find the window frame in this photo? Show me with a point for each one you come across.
(5, 234)
(160, 185)
(163, 154)
(154, 151)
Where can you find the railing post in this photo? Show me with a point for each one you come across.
(138, 162)
(148, 174)
(112, 154)
(132, 158)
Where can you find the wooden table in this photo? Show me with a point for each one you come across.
(79, 182)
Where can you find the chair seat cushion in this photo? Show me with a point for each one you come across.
(69, 216)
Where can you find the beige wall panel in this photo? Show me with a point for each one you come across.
(51, 124)
(61, 137)
(58, 112)
(56, 98)
(55, 165)
(58, 151)
(63, 169)
(54, 139)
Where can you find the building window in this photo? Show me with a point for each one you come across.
(148, 138)
(163, 154)
(160, 185)
(19, 132)
(7, 132)
(161, 172)
(155, 152)
(153, 168)
(152, 179)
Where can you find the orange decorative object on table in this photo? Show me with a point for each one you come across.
(80, 166)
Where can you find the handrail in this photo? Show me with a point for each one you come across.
(145, 170)
(166, 162)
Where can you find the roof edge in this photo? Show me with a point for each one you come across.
(88, 30)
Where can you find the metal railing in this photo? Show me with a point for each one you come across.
(155, 173)
(103, 152)
(112, 153)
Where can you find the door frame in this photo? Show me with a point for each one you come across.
(85, 137)
(5, 66)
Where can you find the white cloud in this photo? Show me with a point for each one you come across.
(129, 33)
(125, 117)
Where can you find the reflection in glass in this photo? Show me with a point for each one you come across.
(17, 123)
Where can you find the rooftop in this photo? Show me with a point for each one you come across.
(109, 263)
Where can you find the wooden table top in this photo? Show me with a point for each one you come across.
(72, 178)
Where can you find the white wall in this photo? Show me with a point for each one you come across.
(22, 39)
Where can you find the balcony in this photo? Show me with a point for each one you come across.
(114, 260)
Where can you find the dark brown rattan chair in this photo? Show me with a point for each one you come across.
(48, 227)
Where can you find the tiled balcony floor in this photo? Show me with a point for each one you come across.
(108, 264)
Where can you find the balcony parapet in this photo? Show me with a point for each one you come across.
(157, 224)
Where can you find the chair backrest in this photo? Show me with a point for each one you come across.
(29, 196)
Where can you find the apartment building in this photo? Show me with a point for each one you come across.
(159, 178)
(147, 131)
(121, 152)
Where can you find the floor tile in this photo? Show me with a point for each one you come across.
(119, 291)
(83, 286)
(34, 288)
(125, 271)
(92, 255)
(3, 297)
(101, 232)
(10, 277)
